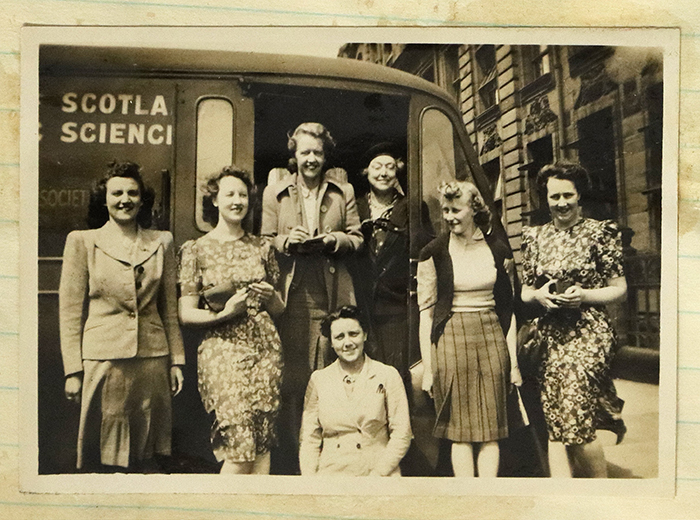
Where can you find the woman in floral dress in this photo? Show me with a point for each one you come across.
(572, 267)
(239, 360)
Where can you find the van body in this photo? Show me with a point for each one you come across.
(184, 114)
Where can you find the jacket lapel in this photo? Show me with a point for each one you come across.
(147, 244)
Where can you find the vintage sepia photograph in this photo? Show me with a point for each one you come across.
(440, 255)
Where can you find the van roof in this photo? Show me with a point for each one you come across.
(63, 59)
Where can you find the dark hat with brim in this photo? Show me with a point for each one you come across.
(384, 148)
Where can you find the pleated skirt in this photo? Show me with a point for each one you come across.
(126, 414)
(472, 373)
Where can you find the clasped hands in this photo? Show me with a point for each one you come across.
(300, 234)
(571, 298)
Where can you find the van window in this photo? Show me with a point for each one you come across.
(214, 145)
(442, 160)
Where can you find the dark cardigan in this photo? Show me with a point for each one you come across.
(507, 300)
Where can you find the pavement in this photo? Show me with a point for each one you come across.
(637, 455)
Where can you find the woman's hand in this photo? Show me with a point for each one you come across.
(262, 290)
(176, 380)
(427, 383)
(74, 384)
(235, 306)
(329, 242)
(515, 377)
(545, 298)
(297, 235)
(572, 297)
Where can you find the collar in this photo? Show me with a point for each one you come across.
(290, 183)
(369, 369)
(147, 243)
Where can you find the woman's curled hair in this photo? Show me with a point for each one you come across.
(210, 189)
(347, 311)
(98, 215)
(459, 189)
(316, 130)
(567, 171)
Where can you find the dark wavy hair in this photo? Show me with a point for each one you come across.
(347, 311)
(316, 130)
(458, 189)
(210, 188)
(97, 209)
(565, 171)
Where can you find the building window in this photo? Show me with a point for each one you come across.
(540, 153)
(536, 62)
(214, 145)
(492, 169)
(487, 80)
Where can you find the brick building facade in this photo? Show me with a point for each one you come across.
(525, 106)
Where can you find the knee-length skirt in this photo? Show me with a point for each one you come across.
(472, 372)
(126, 414)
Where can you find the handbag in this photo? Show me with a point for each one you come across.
(531, 349)
(216, 297)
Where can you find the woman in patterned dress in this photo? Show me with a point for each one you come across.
(572, 267)
(466, 294)
(239, 360)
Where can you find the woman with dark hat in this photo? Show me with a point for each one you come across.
(384, 268)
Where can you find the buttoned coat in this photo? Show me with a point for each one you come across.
(337, 216)
(114, 305)
(367, 432)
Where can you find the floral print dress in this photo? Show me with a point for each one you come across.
(578, 395)
(239, 361)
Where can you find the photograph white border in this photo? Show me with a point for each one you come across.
(281, 39)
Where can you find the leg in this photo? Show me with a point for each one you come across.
(236, 468)
(591, 459)
(261, 465)
(487, 459)
(463, 459)
(559, 466)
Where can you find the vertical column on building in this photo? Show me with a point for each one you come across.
(467, 92)
(511, 147)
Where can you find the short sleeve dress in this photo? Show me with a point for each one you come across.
(577, 392)
(239, 361)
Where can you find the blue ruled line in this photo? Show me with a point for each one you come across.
(219, 8)
(144, 507)
(9, 388)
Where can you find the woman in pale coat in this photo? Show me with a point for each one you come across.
(313, 222)
(120, 337)
(356, 420)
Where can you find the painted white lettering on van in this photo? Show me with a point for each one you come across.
(103, 132)
(89, 109)
(63, 198)
(137, 107)
(69, 103)
(107, 103)
(84, 136)
(169, 134)
(126, 99)
(159, 106)
(136, 133)
(116, 133)
(151, 134)
(69, 133)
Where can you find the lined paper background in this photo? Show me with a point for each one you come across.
(678, 13)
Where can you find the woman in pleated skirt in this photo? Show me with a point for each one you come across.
(466, 288)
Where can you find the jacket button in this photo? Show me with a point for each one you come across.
(132, 315)
(331, 269)
(338, 445)
(324, 208)
(359, 446)
(328, 229)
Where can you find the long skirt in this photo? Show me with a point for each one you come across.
(125, 414)
(472, 372)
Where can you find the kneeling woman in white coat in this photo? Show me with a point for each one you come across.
(356, 420)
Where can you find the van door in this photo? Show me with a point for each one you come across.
(215, 128)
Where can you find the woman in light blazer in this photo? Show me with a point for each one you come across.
(356, 420)
(120, 337)
(313, 222)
